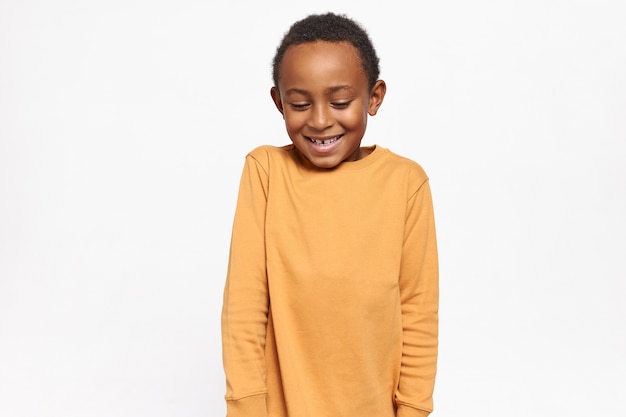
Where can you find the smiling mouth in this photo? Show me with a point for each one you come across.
(324, 142)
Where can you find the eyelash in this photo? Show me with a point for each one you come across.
(304, 106)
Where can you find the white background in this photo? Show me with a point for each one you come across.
(123, 128)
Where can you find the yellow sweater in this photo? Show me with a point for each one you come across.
(331, 299)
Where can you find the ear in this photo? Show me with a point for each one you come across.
(377, 95)
(276, 98)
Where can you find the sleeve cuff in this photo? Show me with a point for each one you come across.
(406, 411)
(252, 406)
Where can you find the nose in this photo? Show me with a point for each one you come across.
(320, 117)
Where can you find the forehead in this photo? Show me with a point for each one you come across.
(329, 63)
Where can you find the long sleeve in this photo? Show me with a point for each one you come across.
(419, 292)
(246, 301)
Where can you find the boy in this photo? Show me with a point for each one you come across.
(331, 299)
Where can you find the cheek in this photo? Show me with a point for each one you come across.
(354, 120)
(292, 128)
(293, 121)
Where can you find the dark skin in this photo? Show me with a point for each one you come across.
(324, 97)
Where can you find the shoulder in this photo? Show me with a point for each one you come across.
(394, 163)
(266, 155)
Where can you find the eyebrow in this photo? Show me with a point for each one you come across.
(339, 88)
(329, 90)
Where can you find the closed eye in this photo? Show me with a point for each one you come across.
(341, 104)
(299, 106)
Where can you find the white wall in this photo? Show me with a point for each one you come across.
(123, 128)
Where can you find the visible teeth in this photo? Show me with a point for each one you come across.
(324, 142)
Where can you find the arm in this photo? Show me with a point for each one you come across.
(419, 292)
(246, 302)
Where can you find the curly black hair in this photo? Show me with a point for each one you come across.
(330, 27)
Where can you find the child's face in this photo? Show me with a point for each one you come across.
(325, 99)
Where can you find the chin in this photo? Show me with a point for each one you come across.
(327, 162)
